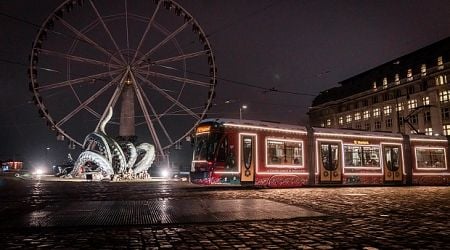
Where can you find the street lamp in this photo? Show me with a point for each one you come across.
(240, 110)
(46, 156)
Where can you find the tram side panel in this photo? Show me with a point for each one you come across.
(358, 159)
(282, 159)
(430, 159)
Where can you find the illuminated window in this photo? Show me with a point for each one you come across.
(389, 123)
(412, 104)
(377, 125)
(357, 116)
(409, 75)
(348, 118)
(441, 79)
(341, 120)
(440, 63)
(427, 116)
(429, 131)
(446, 129)
(399, 106)
(385, 82)
(444, 96)
(328, 122)
(322, 124)
(361, 156)
(397, 79)
(426, 100)
(376, 112)
(387, 110)
(423, 70)
(366, 114)
(430, 158)
(445, 113)
(282, 152)
(374, 85)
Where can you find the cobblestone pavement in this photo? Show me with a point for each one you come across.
(357, 218)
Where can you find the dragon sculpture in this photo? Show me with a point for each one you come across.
(104, 155)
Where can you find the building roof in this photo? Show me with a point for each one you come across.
(364, 81)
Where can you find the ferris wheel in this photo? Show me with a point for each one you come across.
(148, 60)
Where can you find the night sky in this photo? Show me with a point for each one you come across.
(273, 56)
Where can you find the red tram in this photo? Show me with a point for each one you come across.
(229, 151)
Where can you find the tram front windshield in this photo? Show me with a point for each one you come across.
(205, 146)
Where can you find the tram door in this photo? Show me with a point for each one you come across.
(330, 163)
(392, 163)
(248, 158)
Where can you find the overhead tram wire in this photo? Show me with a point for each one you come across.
(273, 89)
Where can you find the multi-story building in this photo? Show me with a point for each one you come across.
(410, 94)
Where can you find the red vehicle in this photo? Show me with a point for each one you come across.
(228, 151)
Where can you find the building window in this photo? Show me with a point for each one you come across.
(429, 131)
(441, 80)
(375, 99)
(445, 112)
(387, 110)
(426, 100)
(423, 70)
(376, 112)
(423, 85)
(398, 93)
(328, 122)
(440, 62)
(399, 106)
(357, 116)
(409, 75)
(413, 119)
(411, 90)
(341, 120)
(397, 79)
(446, 129)
(385, 82)
(348, 118)
(365, 103)
(366, 114)
(377, 125)
(374, 85)
(358, 126)
(427, 116)
(367, 126)
(401, 121)
(430, 158)
(361, 156)
(444, 96)
(322, 124)
(389, 123)
(284, 152)
(412, 104)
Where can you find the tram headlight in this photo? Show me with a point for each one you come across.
(39, 171)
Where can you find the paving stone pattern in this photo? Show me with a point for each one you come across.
(357, 218)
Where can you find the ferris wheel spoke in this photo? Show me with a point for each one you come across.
(126, 26)
(88, 40)
(78, 58)
(167, 96)
(150, 126)
(107, 30)
(86, 102)
(78, 80)
(112, 101)
(150, 22)
(179, 58)
(175, 78)
(155, 114)
(168, 38)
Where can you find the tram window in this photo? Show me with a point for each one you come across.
(222, 151)
(430, 158)
(392, 158)
(361, 156)
(280, 152)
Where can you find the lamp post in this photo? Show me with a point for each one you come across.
(240, 110)
(46, 155)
